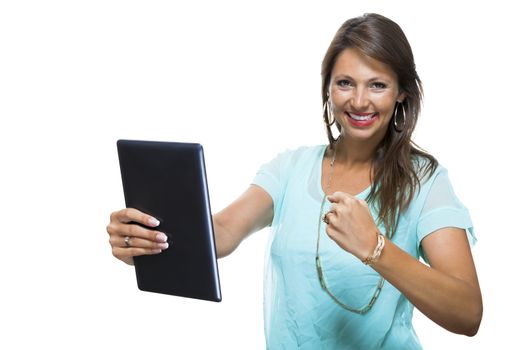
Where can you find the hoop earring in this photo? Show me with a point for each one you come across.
(396, 124)
(330, 119)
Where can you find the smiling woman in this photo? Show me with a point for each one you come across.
(362, 97)
(370, 64)
(347, 275)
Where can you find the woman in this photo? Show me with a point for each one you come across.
(350, 220)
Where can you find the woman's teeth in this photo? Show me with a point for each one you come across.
(361, 117)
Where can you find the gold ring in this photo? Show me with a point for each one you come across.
(325, 218)
(126, 241)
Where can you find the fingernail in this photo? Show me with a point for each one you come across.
(156, 251)
(153, 222)
(161, 237)
(163, 245)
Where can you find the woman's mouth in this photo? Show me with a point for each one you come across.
(362, 119)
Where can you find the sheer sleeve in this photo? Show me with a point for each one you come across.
(443, 209)
(273, 176)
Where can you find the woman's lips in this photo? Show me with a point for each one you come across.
(361, 119)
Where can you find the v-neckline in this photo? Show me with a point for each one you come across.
(360, 195)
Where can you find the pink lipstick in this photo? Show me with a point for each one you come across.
(361, 119)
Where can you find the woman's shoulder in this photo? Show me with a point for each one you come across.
(293, 159)
(433, 177)
(306, 150)
(427, 167)
(302, 153)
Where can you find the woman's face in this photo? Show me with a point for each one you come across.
(363, 94)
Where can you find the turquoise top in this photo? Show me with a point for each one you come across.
(298, 313)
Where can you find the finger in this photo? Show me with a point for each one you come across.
(116, 228)
(334, 209)
(338, 197)
(120, 242)
(331, 218)
(363, 203)
(326, 218)
(123, 253)
(133, 230)
(338, 210)
(133, 215)
(332, 233)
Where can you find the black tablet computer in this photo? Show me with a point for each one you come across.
(168, 181)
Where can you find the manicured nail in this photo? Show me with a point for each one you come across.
(163, 245)
(161, 237)
(157, 251)
(153, 222)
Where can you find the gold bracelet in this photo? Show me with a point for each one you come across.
(372, 258)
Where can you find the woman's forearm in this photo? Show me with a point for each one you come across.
(451, 302)
(252, 211)
(224, 241)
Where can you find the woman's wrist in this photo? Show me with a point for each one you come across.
(375, 253)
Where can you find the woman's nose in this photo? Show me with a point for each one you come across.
(359, 99)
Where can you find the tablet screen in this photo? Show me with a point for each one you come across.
(168, 181)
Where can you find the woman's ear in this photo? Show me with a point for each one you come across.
(401, 97)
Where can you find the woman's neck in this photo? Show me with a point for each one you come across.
(351, 154)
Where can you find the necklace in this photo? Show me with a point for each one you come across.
(322, 281)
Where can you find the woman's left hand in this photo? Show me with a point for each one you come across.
(351, 225)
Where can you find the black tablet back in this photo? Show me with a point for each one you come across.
(168, 181)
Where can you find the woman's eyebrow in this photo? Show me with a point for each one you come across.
(343, 76)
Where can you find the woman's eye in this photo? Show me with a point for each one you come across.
(378, 85)
(344, 83)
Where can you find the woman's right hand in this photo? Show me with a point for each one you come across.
(127, 239)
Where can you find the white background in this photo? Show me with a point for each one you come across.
(242, 78)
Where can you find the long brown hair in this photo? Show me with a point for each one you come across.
(398, 163)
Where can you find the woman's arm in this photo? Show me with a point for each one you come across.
(252, 211)
(448, 291)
